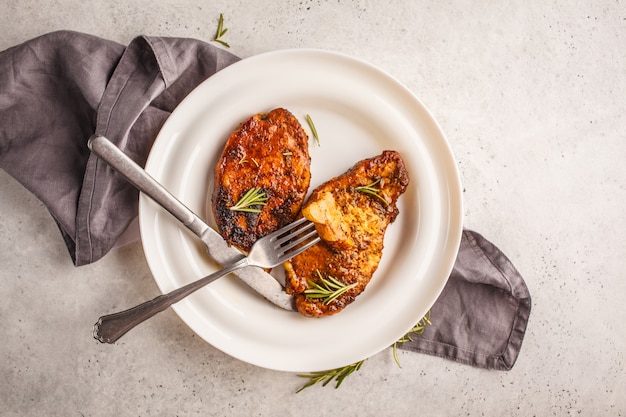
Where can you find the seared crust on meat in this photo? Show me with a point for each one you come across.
(269, 151)
(352, 226)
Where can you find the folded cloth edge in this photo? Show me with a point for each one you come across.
(430, 341)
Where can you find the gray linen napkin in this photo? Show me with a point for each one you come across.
(58, 89)
(481, 315)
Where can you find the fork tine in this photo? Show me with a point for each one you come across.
(298, 250)
(286, 229)
(295, 242)
(279, 240)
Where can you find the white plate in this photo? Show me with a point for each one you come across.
(358, 111)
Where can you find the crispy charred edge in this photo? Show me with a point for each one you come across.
(241, 226)
(316, 308)
(236, 225)
(341, 269)
(398, 178)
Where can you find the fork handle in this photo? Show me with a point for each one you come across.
(111, 327)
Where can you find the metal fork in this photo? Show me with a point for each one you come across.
(268, 252)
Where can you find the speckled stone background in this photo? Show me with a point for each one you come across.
(532, 96)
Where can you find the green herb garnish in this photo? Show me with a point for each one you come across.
(338, 374)
(417, 330)
(253, 197)
(328, 290)
(243, 160)
(313, 130)
(221, 31)
(372, 190)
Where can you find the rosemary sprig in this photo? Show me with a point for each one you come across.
(253, 197)
(313, 129)
(338, 374)
(221, 31)
(243, 160)
(328, 290)
(418, 329)
(372, 190)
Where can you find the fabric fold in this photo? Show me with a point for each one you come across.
(59, 89)
(480, 317)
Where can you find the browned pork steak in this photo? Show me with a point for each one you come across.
(270, 153)
(351, 213)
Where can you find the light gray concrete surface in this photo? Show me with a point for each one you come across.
(531, 95)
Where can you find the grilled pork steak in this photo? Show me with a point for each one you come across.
(269, 153)
(351, 213)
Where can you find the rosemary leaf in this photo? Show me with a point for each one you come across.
(220, 26)
(253, 197)
(372, 190)
(418, 329)
(221, 31)
(221, 42)
(338, 374)
(313, 129)
(328, 289)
